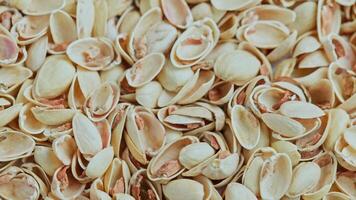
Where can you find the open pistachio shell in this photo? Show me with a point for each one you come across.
(64, 185)
(63, 30)
(47, 159)
(328, 19)
(193, 154)
(305, 17)
(237, 190)
(27, 121)
(15, 76)
(245, 126)
(337, 122)
(145, 69)
(64, 147)
(9, 110)
(301, 110)
(15, 145)
(225, 66)
(305, 177)
(345, 182)
(148, 94)
(52, 116)
(85, 15)
(283, 125)
(102, 101)
(117, 177)
(177, 12)
(192, 190)
(37, 53)
(99, 163)
(101, 18)
(91, 53)
(54, 77)
(275, 177)
(141, 185)
(288, 148)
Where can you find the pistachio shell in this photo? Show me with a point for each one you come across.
(39, 7)
(345, 182)
(193, 154)
(100, 163)
(145, 70)
(27, 121)
(245, 126)
(72, 188)
(47, 159)
(298, 109)
(85, 18)
(12, 77)
(305, 17)
(338, 121)
(64, 148)
(275, 177)
(283, 125)
(91, 53)
(63, 28)
(305, 177)
(328, 19)
(177, 12)
(232, 5)
(193, 190)
(15, 145)
(148, 94)
(237, 190)
(37, 53)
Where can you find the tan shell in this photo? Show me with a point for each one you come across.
(54, 77)
(145, 69)
(47, 159)
(301, 110)
(38, 7)
(193, 45)
(305, 17)
(336, 196)
(91, 53)
(225, 66)
(15, 76)
(159, 170)
(288, 148)
(98, 164)
(148, 94)
(177, 12)
(64, 147)
(21, 145)
(328, 166)
(344, 181)
(220, 93)
(27, 121)
(14, 177)
(245, 126)
(276, 173)
(101, 18)
(337, 123)
(195, 153)
(192, 190)
(233, 5)
(102, 101)
(145, 134)
(237, 190)
(85, 15)
(117, 177)
(345, 147)
(140, 182)
(9, 110)
(37, 53)
(151, 35)
(52, 116)
(328, 19)
(306, 175)
(9, 51)
(72, 188)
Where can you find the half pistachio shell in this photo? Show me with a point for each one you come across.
(15, 145)
(177, 12)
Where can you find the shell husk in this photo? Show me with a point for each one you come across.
(237, 190)
(52, 117)
(344, 149)
(177, 13)
(47, 159)
(233, 5)
(102, 101)
(338, 120)
(306, 175)
(38, 7)
(276, 172)
(21, 145)
(145, 134)
(36, 54)
(168, 153)
(91, 53)
(288, 148)
(85, 18)
(10, 110)
(145, 69)
(72, 190)
(28, 122)
(101, 18)
(220, 93)
(140, 181)
(118, 172)
(245, 126)
(64, 147)
(12, 77)
(328, 165)
(16, 178)
(342, 81)
(63, 30)
(344, 181)
(206, 32)
(148, 94)
(306, 13)
(193, 190)
(328, 19)
(98, 164)
(151, 35)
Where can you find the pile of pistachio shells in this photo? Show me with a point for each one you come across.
(177, 100)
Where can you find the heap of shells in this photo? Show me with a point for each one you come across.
(177, 99)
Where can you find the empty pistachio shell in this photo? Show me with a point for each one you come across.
(298, 109)
(15, 145)
(193, 190)
(283, 125)
(275, 177)
(232, 5)
(237, 190)
(100, 163)
(194, 154)
(177, 12)
(47, 159)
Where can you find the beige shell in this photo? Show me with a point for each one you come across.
(305, 17)
(328, 166)
(101, 18)
(70, 189)
(220, 93)
(54, 77)
(276, 176)
(177, 13)
(63, 31)
(148, 94)
(38, 7)
(237, 190)
(15, 145)
(328, 19)
(193, 154)
(117, 177)
(9, 110)
(342, 81)
(245, 126)
(87, 136)
(37, 53)
(223, 166)
(145, 69)
(195, 43)
(27, 121)
(99, 163)
(14, 177)
(165, 166)
(64, 147)
(139, 184)
(226, 69)
(101, 101)
(344, 181)
(9, 51)
(337, 123)
(266, 34)
(91, 53)
(145, 134)
(52, 116)
(47, 159)
(233, 5)
(85, 15)
(301, 110)
(306, 175)
(345, 147)
(336, 196)
(151, 35)
(15, 76)
(288, 148)
(192, 190)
